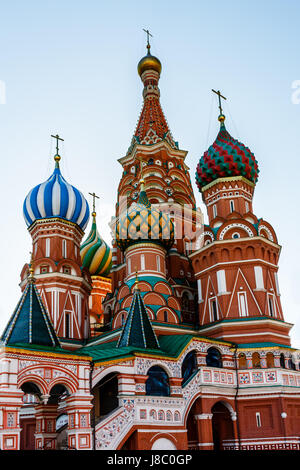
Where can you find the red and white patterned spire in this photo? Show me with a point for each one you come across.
(152, 125)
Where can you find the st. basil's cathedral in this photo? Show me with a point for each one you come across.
(175, 337)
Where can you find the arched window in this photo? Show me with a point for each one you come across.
(213, 358)
(242, 361)
(166, 316)
(157, 383)
(189, 366)
(282, 361)
(106, 395)
(256, 360)
(270, 359)
(58, 394)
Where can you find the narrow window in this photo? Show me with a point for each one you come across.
(47, 247)
(165, 316)
(143, 262)
(271, 306)
(213, 310)
(242, 304)
(199, 290)
(215, 210)
(64, 248)
(129, 266)
(231, 206)
(67, 325)
(158, 263)
(247, 206)
(258, 420)
(259, 279)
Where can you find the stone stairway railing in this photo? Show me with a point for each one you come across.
(112, 429)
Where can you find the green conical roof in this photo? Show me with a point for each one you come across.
(30, 323)
(137, 330)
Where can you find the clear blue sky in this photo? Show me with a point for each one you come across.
(70, 67)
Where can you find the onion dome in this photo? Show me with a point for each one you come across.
(56, 198)
(95, 254)
(149, 62)
(144, 223)
(226, 157)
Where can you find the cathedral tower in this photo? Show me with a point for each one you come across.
(236, 269)
(154, 166)
(56, 214)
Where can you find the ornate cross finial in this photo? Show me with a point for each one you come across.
(31, 268)
(136, 282)
(94, 196)
(220, 96)
(57, 139)
(148, 34)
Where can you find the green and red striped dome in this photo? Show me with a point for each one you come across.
(226, 157)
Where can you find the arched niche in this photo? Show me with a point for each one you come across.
(157, 383)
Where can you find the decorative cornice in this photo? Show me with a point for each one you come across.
(228, 178)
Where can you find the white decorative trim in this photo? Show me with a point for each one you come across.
(263, 227)
(242, 226)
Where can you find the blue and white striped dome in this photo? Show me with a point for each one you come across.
(56, 198)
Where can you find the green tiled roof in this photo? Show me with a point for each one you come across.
(261, 345)
(137, 330)
(30, 323)
(48, 349)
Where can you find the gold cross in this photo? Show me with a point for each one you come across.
(94, 196)
(220, 96)
(57, 139)
(148, 34)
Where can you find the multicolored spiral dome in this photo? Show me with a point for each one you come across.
(144, 223)
(95, 254)
(226, 157)
(56, 198)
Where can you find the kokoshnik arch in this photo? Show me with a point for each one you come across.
(163, 341)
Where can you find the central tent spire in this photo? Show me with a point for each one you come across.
(152, 125)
